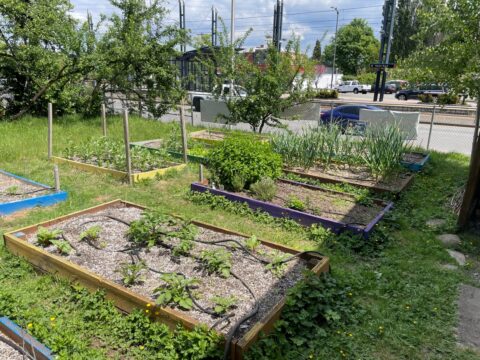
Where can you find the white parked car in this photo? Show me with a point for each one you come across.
(196, 97)
(353, 86)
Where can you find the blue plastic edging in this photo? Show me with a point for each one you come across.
(42, 200)
(25, 340)
(416, 167)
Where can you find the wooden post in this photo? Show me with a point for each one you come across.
(50, 130)
(56, 175)
(431, 123)
(184, 133)
(200, 174)
(319, 114)
(127, 146)
(104, 120)
(331, 112)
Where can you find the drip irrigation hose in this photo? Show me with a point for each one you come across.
(16, 347)
(29, 192)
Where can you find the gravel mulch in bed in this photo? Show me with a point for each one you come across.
(12, 189)
(268, 288)
(7, 352)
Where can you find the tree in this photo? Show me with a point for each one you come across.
(406, 26)
(43, 55)
(270, 88)
(317, 52)
(135, 57)
(357, 48)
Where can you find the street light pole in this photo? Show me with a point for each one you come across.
(232, 39)
(334, 47)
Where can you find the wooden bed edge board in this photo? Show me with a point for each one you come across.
(265, 325)
(90, 167)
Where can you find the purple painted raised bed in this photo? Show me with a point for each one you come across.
(301, 217)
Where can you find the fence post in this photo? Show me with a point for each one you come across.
(104, 120)
(319, 114)
(50, 130)
(56, 175)
(184, 132)
(200, 174)
(331, 112)
(431, 122)
(127, 146)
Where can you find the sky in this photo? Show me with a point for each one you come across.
(308, 19)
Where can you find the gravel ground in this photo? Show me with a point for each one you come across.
(7, 352)
(267, 288)
(12, 189)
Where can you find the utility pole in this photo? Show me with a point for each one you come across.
(232, 44)
(389, 9)
(181, 11)
(214, 26)
(278, 24)
(334, 70)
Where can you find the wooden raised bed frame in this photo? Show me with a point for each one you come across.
(197, 135)
(127, 300)
(173, 153)
(136, 177)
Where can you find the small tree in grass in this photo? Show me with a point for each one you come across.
(269, 88)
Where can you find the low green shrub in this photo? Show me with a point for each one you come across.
(265, 189)
(426, 98)
(448, 99)
(241, 157)
(326, 94)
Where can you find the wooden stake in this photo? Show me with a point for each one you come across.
(56, 175)
(104, 120)
(200, 174)
(127, 146)
(184, 133)
(50, 130)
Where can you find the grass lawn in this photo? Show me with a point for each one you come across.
(402, 302)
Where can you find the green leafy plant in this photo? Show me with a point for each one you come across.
(252, 243)
(238, 183)
(265, 189)
(277, 264)
(223, 303)
(132, 273)
(45, 236)
(12, 190)
(92, 234)
(217, 261)
(152, 228)
(175, 291)
(183, 248)
(241, 156)
(62, 246)
(295, 203)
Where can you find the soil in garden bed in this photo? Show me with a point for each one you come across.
(330, 205)
(413, 158)
(356, 175)
(154, 144)
(7, 352)
(106, 257)
(135, 169)
(12, 189)
(210, 135)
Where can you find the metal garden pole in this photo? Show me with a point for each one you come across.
(104, 120)
(184, 133)
(56, 175)
(50, 130)
(431, 123)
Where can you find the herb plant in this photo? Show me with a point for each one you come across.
(295, 203)
(45, 236)
(223, 304)
(62, 246)
(217, 261)
(132, 273)
(252, 243)
(92, 234)
(265, 189)
(175, 291)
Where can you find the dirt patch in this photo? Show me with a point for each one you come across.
(209, 135)
(13, 189)
(154, 144)
(331, 205)
(7, 352)
(110, 253)
(355, 175)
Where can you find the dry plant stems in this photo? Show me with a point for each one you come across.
(384, 148)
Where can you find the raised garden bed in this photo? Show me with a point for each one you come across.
(357, 176)
(415, 161)
(213, 137)
(98, 265)
(156, 145)
(334, 210)
(16, 343)
(18, 193)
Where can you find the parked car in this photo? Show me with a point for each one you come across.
(346, 115)
(389, 88)
(352, 86)
(196, 97)
(414, 92)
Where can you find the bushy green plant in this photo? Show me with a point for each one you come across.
(12, 190)
(326, 94)
(62, 246)
(295, 203)
(152, 228)
(175, 291)
(45, 236)
(92, 234)
(252, 243)
(241, 156)
(132, 273)
(217, 261)
(223, 303)
(384, 149)
(265, 189)
(426, 98)
(448, 99)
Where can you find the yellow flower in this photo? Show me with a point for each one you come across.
(157, 312)
(149, 305)
(30, 325)
(380, 328)
(435, 309)
(350, 294)
(52, 318)
(407, 307)
(147, 311)
(350, 334)
(141, 347)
